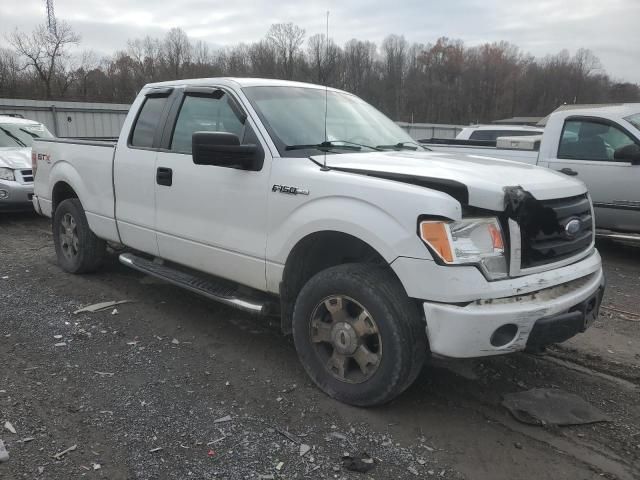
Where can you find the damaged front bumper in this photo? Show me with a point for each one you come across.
(467, 317)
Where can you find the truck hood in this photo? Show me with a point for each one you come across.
(480, 181)
(15, 158)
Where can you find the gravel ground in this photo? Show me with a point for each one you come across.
(173, 386)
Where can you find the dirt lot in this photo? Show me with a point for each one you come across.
(174, 386)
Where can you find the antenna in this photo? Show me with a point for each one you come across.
(326, 90)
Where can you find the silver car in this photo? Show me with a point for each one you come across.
(16, 175)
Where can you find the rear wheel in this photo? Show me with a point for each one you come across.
(77, 248)
(358, 335)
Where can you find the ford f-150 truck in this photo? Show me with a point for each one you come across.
(598, 144)
(305, 202)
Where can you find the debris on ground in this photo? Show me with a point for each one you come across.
(279, 466)
(59, 455)
(154, 450)
(362, 463)
(10, 427)
(289, 436)
(175, 341)
(413, 471)
(96, 466)
(304, 449)
(61, 344)
(551, 406)
(4, 455)
(97, 307)
(224, 419)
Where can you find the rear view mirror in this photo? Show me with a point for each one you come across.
(628, 153)
(223, 149)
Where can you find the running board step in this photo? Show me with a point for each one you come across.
(220, 290)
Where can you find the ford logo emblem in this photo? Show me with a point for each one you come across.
(572, 228)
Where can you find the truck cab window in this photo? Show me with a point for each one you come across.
(590, 140)
(204, 114)
(147, 122)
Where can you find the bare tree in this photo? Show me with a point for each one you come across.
(45, 51)
(264, 62)
(323, 57)
(287, 39)
(9, 72)
(177, 51)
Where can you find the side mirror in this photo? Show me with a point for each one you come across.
(628, 153)
(223, 149)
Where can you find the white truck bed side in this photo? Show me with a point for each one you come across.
(86, 165)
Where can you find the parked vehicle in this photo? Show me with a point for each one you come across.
(490, 133)
(373, 251)
(16, 177)
(598, 145)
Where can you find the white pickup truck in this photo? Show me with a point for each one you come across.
(373, 251)
(599, 145)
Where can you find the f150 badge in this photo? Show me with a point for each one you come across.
(289, 190)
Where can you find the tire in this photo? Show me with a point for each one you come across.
(77, 248)
(333, 309)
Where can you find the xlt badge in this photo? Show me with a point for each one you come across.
(289, 190)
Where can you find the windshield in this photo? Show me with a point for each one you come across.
(295, 117)
(21, 135)
(634, 120)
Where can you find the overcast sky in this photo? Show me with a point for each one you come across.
(611, 28)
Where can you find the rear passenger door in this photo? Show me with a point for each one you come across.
(134, 171)
(587, 151)
(211, 218)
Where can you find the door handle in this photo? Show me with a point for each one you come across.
(164, 176)
(568, 171)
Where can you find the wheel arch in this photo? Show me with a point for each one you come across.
(315, 252)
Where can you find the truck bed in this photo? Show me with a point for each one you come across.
(61, 161)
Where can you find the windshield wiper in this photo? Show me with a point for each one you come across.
(401, 146)
(343, 144)
(17, 140)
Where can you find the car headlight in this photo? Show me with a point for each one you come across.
(7, 174)
(476, 241)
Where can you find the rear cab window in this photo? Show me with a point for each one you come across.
(147, 122)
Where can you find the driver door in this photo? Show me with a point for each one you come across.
(587, 150)
(211, 218)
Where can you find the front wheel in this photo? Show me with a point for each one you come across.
(358, 335)
(77, 247)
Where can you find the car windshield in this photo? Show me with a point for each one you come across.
(634, 120)
(21, 134)
(295, 119)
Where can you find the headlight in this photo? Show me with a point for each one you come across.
(6, 174)
(476, 241)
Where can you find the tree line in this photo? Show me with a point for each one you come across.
(441, 82)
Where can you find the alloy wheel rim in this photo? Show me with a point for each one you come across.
(69, 241)
(346, 339)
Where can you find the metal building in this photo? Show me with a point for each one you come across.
(70, 119)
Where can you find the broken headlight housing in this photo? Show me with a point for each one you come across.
(470, 241)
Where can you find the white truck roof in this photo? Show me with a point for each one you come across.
(240, 82)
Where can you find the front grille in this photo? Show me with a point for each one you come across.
(27, 176)
(544, 235)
